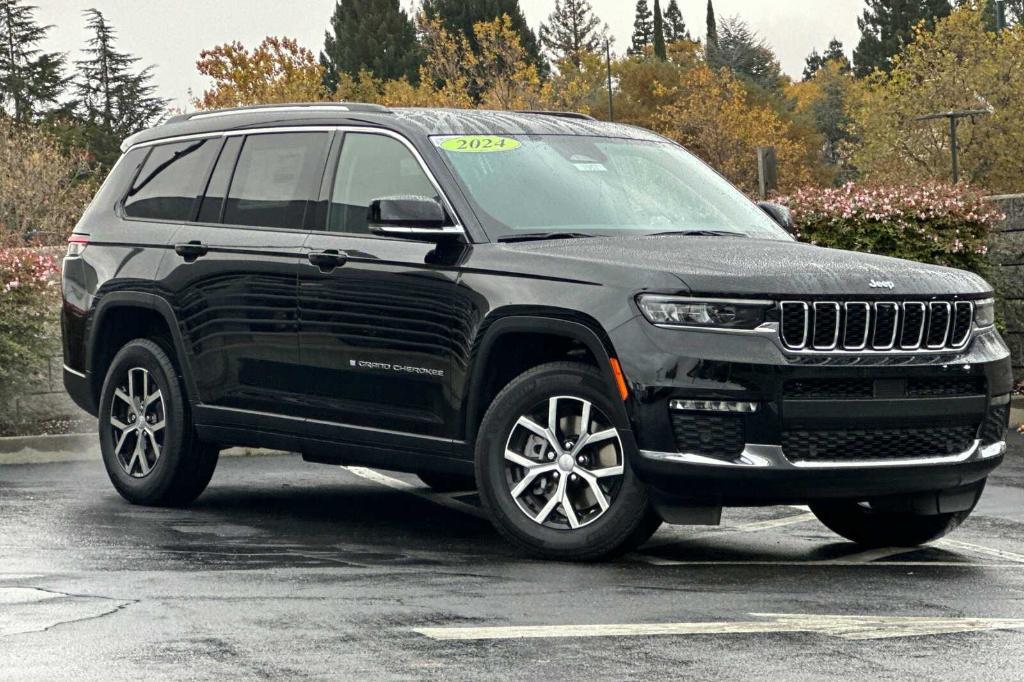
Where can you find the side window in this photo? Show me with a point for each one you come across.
(276, 177)
(170, 181)
(372, 167)
(217, 189)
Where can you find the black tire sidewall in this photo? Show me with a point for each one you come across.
(156, 485)
(605, 536)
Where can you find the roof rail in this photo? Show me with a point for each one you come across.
(560, 114)
(270, 108)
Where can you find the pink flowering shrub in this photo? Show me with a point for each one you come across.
(936, 223)
(29, 328)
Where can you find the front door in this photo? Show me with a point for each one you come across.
(379, 317)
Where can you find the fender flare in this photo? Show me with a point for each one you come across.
(601, 348)
(109, 303)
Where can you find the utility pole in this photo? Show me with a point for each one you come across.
(608, 58)
(1000, 15)
(954, 123)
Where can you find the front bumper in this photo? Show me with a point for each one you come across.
(797, 448)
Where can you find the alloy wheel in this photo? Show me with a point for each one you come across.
(564, 463)
(138, 420)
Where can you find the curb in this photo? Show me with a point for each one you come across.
(78, 447)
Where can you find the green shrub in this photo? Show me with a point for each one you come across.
(29, 327)
(935, 223)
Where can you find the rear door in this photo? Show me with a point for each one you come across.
(379, 325)
(232, 276)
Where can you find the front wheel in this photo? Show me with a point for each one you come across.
(149, 447)
(553, 469)
(858, 522)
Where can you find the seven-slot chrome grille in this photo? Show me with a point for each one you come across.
(824, 326)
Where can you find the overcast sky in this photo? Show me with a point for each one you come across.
(170, 33)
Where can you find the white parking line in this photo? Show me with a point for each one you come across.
(844, 627)
(442, 499)
(980, 549)
(871, 555)
(657, 561)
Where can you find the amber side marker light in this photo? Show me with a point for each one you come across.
(620, 380)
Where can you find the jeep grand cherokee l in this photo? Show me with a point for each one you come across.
(579, 318)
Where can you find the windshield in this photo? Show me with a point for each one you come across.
(596, 186)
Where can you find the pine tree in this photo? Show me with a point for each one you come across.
(375, 35)
(711, 44)
(31, 81)
(833, 53)
(887, 25)
(460, 16)
(659, 32)
(747, 55)
(643, 28)
(113, 101)
(571, 30)
(675, 27)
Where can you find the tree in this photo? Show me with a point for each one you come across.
(462, 15)
(572, 30)
(886, 26)
(675, 27)
(958, 65)
(643, 28)
(371, 35)
(710, 113)
(746, 54)
(711, 42)
(659, 32)
(31, 81)
(277, 71)
(113, 101)
(833, 53)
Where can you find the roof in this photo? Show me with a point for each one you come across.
(411, 121)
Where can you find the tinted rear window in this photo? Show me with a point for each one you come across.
(169, 182)
(277, 175)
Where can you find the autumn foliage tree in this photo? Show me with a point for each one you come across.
(278, 70)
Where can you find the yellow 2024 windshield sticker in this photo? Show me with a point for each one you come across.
(479, 144)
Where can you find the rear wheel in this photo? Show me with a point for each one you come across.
(553, 469)
(860, 523)
(150, 450)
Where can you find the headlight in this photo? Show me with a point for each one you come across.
(684, 312)
(985, 313)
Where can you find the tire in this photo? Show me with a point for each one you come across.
(532, 520)
(171, 467)
(873, 528)
(447, 483)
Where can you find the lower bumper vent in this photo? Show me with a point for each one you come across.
(709, 435)
(867, 445)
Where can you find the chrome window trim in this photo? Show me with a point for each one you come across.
(457, 229)
(924, 324)
(895, 327)
(807, 324)
(867, 325)
(949, 322)
(772, 457)
(835, 339)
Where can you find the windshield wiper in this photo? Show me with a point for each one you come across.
(539, 236)
(699, 233)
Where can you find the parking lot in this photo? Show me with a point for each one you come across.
(287, 569)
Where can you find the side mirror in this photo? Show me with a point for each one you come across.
(780, 214)
(410, 217)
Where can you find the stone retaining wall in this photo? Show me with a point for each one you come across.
(1007, 275)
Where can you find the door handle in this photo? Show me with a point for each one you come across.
(327, 260)
(191, 250)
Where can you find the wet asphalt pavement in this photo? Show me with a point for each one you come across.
(287, 569)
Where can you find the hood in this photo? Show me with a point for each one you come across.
(731, 266)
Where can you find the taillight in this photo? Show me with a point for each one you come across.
(77, 244)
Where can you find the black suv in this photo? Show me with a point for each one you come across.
(578, 318)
